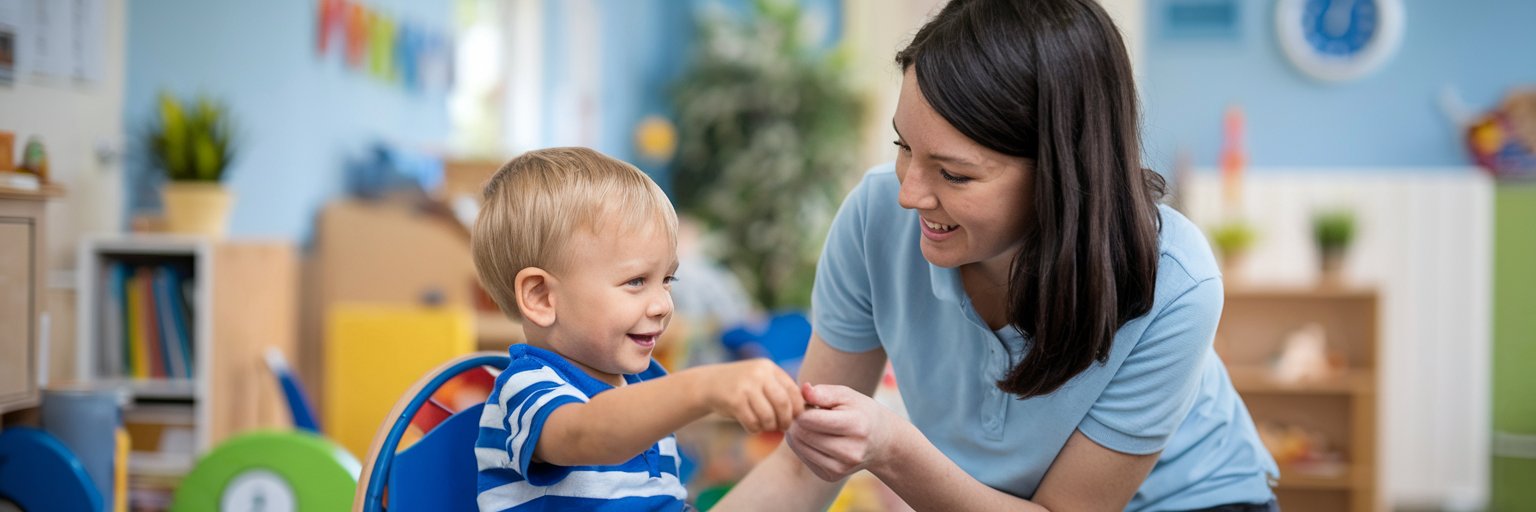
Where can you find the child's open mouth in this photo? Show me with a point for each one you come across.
(645, 340)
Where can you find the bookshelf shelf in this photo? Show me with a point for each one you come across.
(1298, 478)
(1260, 380)
(161, 389)
(1334, 416)
(237, 299)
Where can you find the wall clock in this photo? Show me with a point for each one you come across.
(1339, 40)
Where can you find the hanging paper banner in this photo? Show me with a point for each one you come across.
(379, 45)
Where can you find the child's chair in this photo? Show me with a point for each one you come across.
(37, 472)
(437, 471)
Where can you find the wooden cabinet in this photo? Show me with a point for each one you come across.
(22, 226)
(1322, 429)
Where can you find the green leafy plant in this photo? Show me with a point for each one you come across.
(767, 127)
(1333, 229)
(191, 140)
(1233, 237)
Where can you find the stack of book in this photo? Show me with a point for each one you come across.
(147, 323)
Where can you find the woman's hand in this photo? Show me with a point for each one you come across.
(846, 432)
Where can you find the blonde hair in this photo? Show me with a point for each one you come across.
(535, 201)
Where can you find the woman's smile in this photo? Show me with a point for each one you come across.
(936, 231)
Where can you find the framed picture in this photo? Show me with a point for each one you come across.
(7, 55)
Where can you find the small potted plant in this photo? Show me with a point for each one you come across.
(1233, 239)
(1332, 230)
(192, 142)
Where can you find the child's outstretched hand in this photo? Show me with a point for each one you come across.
(756, 393)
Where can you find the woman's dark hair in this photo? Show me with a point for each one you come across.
(1050, 81)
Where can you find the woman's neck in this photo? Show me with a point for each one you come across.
(988, 290)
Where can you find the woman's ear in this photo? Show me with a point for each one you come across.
(535, 296)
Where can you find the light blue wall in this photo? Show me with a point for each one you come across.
(1388, 119)
(644, 47)
(301, 116)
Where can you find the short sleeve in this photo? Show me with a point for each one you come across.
(1150, 395)
(841, 310)
(528, 396)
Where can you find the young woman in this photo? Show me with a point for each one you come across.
(1050, 325)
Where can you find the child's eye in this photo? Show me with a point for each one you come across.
(638, 281)
(669, 280)
(953, 178)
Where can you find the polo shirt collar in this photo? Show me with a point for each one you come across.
(946, 284)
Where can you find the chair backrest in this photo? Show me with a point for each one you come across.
(37, 472)
(437, 472)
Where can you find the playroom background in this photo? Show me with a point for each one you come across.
(234, 250)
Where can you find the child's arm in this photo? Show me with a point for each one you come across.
(618, 424)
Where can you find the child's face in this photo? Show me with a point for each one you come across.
(614, 299)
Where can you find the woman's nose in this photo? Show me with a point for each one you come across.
(915, 194)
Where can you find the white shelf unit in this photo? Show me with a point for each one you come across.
(243, 301)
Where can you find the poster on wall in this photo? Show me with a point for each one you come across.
(49, 41)
(88, 42)
(13, 34)
(52, 40)
(7, 54)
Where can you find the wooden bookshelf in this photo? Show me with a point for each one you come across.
(1338, 408)
(242, 301)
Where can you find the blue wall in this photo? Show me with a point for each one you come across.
(645, 45)
(1390, 118)
(301, 116)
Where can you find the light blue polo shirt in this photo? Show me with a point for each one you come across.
(1162, 389)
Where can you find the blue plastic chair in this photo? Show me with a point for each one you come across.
(438, 472)
(37, 472)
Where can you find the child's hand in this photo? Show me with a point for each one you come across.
(756, 393)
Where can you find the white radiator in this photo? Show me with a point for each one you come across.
(1424, 238)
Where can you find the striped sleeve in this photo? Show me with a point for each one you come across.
(526, 393)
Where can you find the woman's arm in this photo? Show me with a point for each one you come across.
(849, 432)
(620, 423)
(1085, 476)
(781, 482)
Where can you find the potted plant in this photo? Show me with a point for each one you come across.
(1233, 239)
(1332, 230)
(766, 127)
(192, 142)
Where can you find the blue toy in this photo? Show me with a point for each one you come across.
(38, 473)
(782, 339)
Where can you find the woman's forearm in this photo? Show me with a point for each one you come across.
(928, 480)
(780, 483)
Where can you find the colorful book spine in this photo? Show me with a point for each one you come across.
(138, 362)
(177, 362)
(151, 324)
(114, 357)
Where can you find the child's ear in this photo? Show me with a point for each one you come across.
(535, 296)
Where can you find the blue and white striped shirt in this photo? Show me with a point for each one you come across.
(534, 384)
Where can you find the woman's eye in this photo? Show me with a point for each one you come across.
(903, 147)
(953, 178)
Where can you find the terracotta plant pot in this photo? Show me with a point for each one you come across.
(196, 208)
(1331, 264)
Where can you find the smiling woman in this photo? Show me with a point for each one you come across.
(1049, 324)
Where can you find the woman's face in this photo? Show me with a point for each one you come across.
(973, 202)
